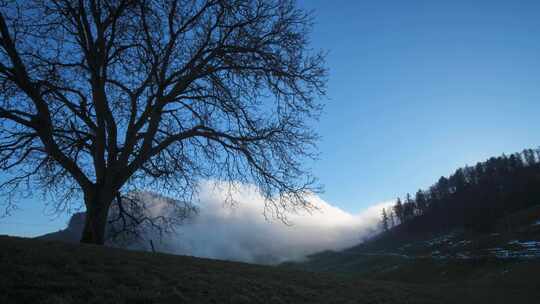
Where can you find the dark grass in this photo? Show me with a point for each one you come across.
(34, 271)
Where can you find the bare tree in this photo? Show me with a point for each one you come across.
(102, 97)
(136, 216)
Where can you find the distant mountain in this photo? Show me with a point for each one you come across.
(150, 202)
(71, 234)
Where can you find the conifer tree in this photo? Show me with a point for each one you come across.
(398, 210)
(384, 220)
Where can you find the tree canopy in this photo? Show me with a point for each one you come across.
(102, 97)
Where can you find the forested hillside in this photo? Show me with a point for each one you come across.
(480, 223)
(474, 198)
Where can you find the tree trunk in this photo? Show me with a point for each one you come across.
(95, 223)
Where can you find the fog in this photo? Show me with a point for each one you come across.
(241, 232)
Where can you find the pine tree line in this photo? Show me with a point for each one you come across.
(474, 197)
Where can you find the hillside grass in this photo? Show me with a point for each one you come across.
(36, 271)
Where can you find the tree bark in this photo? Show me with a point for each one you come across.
(97, 210)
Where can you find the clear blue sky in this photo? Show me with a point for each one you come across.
(417, 89)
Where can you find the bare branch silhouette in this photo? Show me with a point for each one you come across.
(101, 98)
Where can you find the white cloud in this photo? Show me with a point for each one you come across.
(242, 233)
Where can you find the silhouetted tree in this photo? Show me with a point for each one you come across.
(408, 208)
(391, 217)
(384, 220)
(477, 197)
(515, 162)
(457, 181)
(529, 157)
(398, 210)
(421, 202)
(101, 98)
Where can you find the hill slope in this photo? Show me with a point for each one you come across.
(36, 271)
(481, 223)
(504, 257)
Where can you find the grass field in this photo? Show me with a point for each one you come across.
(34, 271)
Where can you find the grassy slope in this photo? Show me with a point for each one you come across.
(457, 258)
(443, 257)
(34, 271)
(496, 273)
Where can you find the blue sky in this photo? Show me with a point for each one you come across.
(419, 88)
(416, 90)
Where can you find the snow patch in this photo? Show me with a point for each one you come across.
(526, 249)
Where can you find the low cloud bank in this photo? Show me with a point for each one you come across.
(242, 233)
